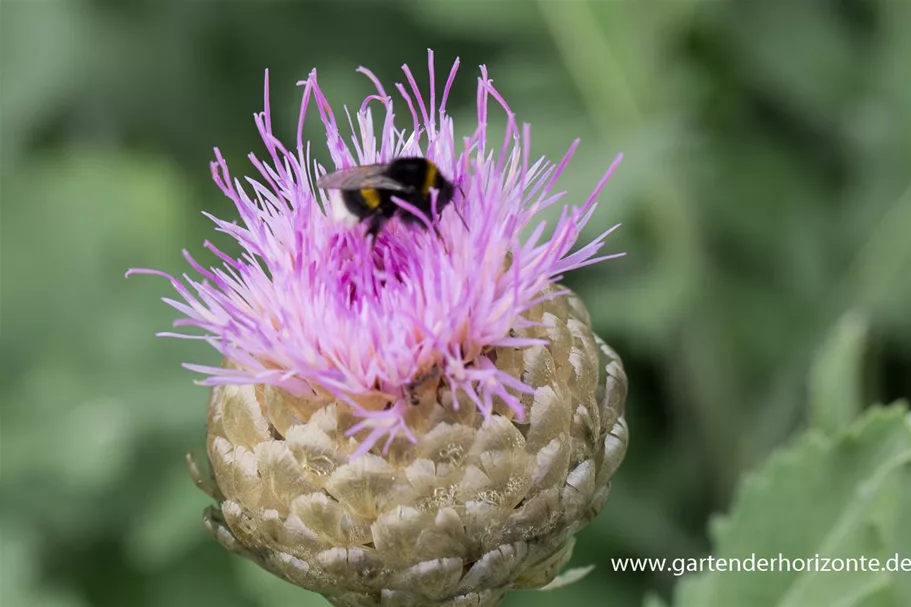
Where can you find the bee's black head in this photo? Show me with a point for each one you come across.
(447, 191)
(410, 171)
(422, 176)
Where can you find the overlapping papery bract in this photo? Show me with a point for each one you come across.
(311, 307)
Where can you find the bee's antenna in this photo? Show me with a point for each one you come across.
(461, 191)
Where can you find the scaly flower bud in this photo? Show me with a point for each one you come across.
(424, 419)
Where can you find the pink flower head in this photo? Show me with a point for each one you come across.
(311, 306)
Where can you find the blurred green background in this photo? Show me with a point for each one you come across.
(764, 198)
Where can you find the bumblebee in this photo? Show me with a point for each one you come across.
(367, 191)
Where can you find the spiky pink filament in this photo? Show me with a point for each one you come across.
(311, 304)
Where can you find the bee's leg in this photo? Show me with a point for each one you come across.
(462, 219)
(435, 228)
(374, 225)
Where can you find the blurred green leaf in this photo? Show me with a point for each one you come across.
(902, 543)
(477, 19)
(92, 444)
(20, 578)
(827, 496)
(836, 377)
(43, 55)
(169, 522)
(895, 590)
(811, 40)
(84, 385)
(271, 591)
(653, 600)
(879, 274)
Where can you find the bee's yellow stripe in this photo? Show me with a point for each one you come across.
(430, 178)
(371, 198)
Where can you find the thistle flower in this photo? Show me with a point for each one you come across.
(426, 419)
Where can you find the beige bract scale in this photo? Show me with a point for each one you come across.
(472, 509)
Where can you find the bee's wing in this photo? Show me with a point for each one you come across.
(356, 178)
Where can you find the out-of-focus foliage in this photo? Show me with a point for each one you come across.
(765, 196)
(841, 497)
